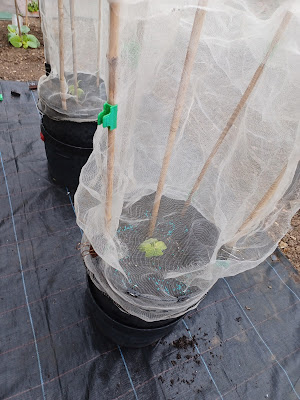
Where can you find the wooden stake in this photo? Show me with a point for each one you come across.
(61, 54)
(72, 16)
(98, 53)
(239, 107)
(26, 14)
(180, 100)
(40, 17)
(114, 9)
(17, 15)
(263, 202)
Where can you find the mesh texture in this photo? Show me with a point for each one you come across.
(250, 189)
(86, 43)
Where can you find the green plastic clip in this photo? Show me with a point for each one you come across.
(108, 117)
(1, 96)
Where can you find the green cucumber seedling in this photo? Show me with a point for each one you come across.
(152, 247)
(24, 40)
(80, 92)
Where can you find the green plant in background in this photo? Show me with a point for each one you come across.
(131, 51)
(24, 40)
(33, 6)
(80, 92)
(152, 247)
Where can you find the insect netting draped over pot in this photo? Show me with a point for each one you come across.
(199, 179)
(72, 32)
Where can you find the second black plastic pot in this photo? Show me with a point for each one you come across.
(122, 328)
(68, 146)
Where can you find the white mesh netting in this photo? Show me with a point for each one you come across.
(234, 158)
(74, 41)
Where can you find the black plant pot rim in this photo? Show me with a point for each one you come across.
(54, 140)
(128, 327)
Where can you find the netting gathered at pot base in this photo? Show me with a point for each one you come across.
(221, 212)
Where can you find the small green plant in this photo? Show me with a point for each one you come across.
(80, 92)
(24, 40)
(152, 247)
(33, 6)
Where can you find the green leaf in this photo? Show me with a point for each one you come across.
(10, 35)
(152, 247)
(32, 45)
(12, 28)
(72, 90)
(16, 41)
(33, 41)
(25, 29)
(25, 41)
(80, 92)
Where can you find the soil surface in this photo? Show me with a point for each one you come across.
(290, 244)
(18, 64)
(28, 65)
(183, 343)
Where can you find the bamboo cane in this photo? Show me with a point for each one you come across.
(262, 203)
(26, 13)
(180, 100)
(239, 107)
(99, 53)
(72, 16)
(114, 9)
(40, 17)
(17, 15)
(61, 54)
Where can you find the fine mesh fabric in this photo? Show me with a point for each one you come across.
(249, 188)
(84, 47)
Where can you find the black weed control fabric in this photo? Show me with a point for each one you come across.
(242, 342)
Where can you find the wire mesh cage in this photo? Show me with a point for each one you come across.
(72, 33)
(199, 179)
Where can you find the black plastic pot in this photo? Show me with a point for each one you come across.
(122, 328)
(68, 146)
(47, 69)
